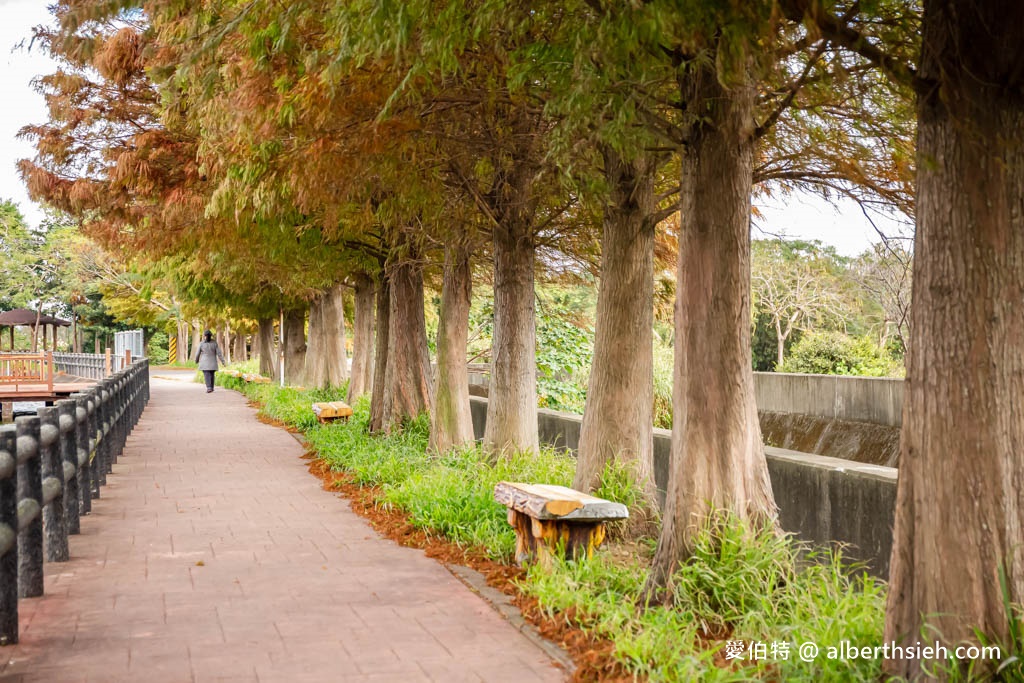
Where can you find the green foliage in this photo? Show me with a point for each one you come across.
(16, 249)
(454, 494)
(834, 353)
(740, 584)
(158, 349)
(763, 343)
(289, 405)
(563, 360)
(294, 406)
(663, 359)
(565, 342)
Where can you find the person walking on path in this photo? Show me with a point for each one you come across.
(207, 356)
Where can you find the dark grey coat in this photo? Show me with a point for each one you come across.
(208, 354)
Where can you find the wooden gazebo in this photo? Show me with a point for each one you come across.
(23, 317)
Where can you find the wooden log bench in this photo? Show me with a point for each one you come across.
(550, 520)
(331, 411)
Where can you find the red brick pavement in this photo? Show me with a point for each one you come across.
(215, 556)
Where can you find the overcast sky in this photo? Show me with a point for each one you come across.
(801, 215)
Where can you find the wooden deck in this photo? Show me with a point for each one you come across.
(41, 392)
(28, 377)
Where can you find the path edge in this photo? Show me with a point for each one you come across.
(498, 601)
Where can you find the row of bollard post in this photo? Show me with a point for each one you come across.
(52, 465)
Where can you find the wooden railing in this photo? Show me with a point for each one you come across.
(17, 369)
(51, 467)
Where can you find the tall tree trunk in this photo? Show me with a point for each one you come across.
(512, 396)
(182, 351)
(407, 375)
(451, 423)
(618, 420)
(294, 345)
(326, 362)
(717, 459)
(380, 363)
(238, 352)
(314, 371)
(226, 349)
(268, 355)
(254, 345)
(780, 345)
(197, 338)
(362, 338)
(960, 502)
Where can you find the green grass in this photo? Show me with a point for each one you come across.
(451, 495)
(738, 586)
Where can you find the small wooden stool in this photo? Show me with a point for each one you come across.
(551, 519)
(330, 411)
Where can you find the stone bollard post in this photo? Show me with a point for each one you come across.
(115, 421)
(93, 429)
(143, 380)
(124, 413)
(30, 519)
(109, 427)
(54, 521)
(8, 536)
(114, 408)
(82, 452)
(68, 422)
(102, 462)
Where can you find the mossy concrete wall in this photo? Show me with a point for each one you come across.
(878, 400)
(852, 418)
(822, 500)
(865, 442)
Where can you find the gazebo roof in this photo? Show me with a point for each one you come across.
(23, 316)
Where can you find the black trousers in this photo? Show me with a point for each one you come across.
(208, 374)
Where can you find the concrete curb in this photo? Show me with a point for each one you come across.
(502, 604)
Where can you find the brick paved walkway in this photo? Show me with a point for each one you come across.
(215, 556)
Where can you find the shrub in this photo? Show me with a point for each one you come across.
(157, 349)
(834, 353)
(564, 352)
